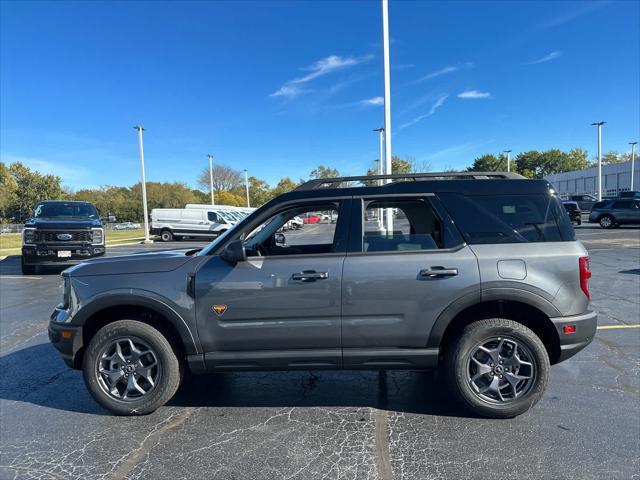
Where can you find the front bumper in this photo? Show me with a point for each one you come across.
(66, 338)
(48, 254)
(584, 326)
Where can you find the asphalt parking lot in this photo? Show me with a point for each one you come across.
(325, 425)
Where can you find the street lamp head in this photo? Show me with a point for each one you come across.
(381, 129)
(138, 127)
(598, 124)
(507, 151)
(633, 143)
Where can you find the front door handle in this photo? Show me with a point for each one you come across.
(435, 272)
(310, 275)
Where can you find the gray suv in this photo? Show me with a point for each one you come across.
(478, 274)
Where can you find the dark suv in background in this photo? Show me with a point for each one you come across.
(615, 212)
(478, 274)
(61, 233)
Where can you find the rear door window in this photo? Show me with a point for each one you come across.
(624, 205)
(416, 226)
(486, 219)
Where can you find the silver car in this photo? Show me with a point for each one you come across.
(476, 274)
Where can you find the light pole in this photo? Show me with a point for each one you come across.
(387, 101)
(633, 159)
(143, 184)
(213, 201)
(508, 152)
(246, 185)
(599, 125)
(381, 132)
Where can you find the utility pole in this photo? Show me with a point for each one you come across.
(380, 171)
(213, 201)
(246, 184)
(633, 159)
(599, 125)
(143, 184)
(508, 152)
(387, 102)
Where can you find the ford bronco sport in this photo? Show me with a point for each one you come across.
(61, 233)
(478, 274)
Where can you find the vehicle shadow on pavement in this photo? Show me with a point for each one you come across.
(403, 391)
(11, 266)
(37, 375)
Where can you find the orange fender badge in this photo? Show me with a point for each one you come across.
(219, 309)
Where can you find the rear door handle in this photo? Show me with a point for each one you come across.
(310, 275)
(435, 272)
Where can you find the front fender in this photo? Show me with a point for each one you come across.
(140, 298)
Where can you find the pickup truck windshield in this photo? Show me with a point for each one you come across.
(65, 210)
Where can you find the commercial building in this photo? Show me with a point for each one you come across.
(616, 178)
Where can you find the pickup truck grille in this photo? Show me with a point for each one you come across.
(51, 236)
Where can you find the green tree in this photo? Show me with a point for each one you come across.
(259, 192)
(324, 172)
(32, 187)
(8, 192)
(614, 157)
(284, 185)
(489, 163)
(577, 159)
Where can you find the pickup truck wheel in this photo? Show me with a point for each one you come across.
(28, 269)
(130, 368)
(497, 368)
(606, 221)
(166, 236)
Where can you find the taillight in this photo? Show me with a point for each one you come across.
(585, 275)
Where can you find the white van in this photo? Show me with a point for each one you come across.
(175, 223)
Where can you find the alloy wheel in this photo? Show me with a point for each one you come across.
(128, 369)
(501, 370)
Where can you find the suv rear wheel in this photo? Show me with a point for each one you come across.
(130, 368)
(497, 368)
(606, 221)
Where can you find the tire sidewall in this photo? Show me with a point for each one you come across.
(476, 334)
(166, 236)
(170, 367)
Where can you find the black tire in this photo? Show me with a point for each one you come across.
(458, 360)
(606, 221)
(28, 269)
(167, 381)
(166, 235)
(579, 222)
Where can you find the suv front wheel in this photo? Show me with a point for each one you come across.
(497, 368)
(130, 368)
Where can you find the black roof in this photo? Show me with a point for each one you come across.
(469, 183)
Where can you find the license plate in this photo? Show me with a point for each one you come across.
(64, 253)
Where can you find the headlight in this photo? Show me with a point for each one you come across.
(65, 293)
(98, 236)
(29, 236)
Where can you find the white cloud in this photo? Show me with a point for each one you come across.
(437, 104)
(375, 101)
(473, 95)
(292, 88)
(546, 58)
(444, 71)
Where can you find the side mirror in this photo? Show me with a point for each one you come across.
(280, 239)
(234, 252)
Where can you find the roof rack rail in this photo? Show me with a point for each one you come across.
(337, 181)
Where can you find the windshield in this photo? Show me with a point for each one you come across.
(65, 210)
(226, 216)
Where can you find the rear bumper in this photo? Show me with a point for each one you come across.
(585, 329)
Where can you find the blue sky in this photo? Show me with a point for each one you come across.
(281, 87)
